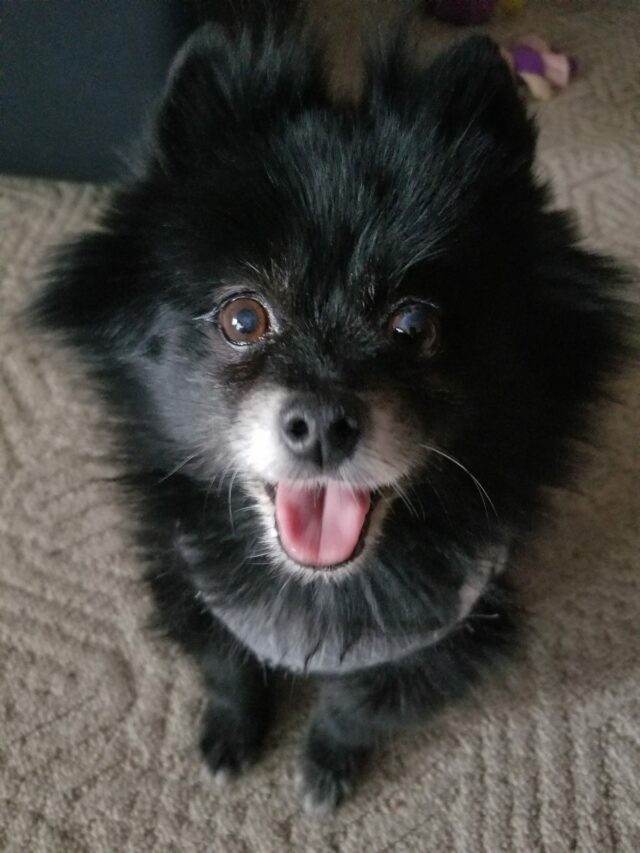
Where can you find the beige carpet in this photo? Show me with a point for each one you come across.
(99, 719)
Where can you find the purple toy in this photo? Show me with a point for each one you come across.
(541, 67)
(527, 60)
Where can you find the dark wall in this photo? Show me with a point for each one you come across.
(77, 79)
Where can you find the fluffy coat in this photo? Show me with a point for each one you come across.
(422, 193)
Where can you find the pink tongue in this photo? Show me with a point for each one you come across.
(322, 526)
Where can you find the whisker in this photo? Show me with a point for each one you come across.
(229, 502)
(180, 466)
(440, 501)
(405, 500)
(216, 482)
(481, 489)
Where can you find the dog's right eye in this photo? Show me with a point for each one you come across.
(243, 321)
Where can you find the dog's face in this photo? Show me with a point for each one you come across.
(322, 402)
(341, 305)
(337, 279)
(348, 315)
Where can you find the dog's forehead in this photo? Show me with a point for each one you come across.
(364, 210)
(319, 293)
(327, 221)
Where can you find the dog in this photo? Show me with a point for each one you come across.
(350, 345)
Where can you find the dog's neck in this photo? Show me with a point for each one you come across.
(287, 646)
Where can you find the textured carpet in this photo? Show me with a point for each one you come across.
(99, 718)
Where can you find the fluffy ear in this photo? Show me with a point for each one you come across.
(229, 86)
(474, 91)
(466, 99)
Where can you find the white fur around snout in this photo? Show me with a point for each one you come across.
(255, 440)
(387, 453)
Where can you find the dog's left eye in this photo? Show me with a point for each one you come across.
(243, 321)
(417, 322)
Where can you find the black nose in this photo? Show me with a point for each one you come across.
(324, 432)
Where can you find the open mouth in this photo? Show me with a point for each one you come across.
(322, 527)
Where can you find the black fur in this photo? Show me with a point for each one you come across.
(424, 190)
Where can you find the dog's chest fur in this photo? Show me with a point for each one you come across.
(287, 644)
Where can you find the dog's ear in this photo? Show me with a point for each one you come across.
(466, 101)
(473, 91)
(226, 87)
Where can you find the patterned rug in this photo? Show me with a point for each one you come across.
(99, 718)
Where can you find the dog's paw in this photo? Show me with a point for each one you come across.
(229, 744)
(327, 776)
(321, 790)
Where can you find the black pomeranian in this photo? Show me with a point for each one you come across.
(350, 345)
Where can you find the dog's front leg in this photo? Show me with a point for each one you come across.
(238, 706)
(353, 713)
(356, 711)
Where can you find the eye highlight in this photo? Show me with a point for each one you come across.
(419, 323)
(243, 321)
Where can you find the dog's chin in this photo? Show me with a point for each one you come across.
(318, 567)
